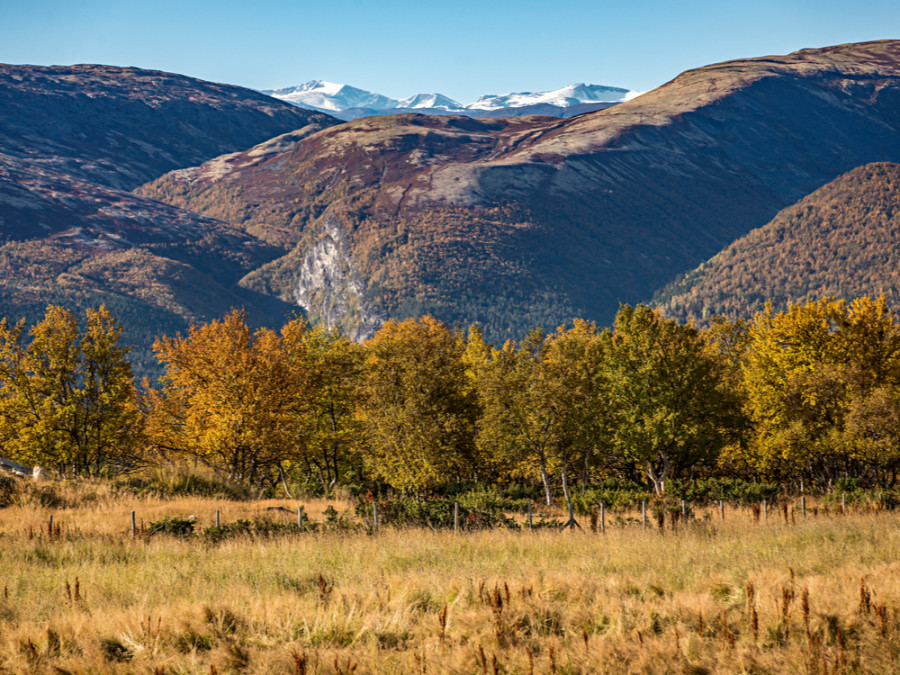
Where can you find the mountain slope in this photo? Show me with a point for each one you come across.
(535, 220)
(121, 127)
(73, 141)
(74, 138)
(842, 240)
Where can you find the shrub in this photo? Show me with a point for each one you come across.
(260, 528)
(179, 481)
(614, 494)
(179, 527)
(732, 490)
(7, 490)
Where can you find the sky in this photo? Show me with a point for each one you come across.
(462, 49)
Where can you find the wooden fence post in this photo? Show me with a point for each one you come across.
(683, 511)
(765, 511)
(722, 508)
(530, 523)
(133, 528)
(803, 506)
(300, 517)
(602, 518)
(644, 515)
(218, 522)
(456, 516)
(843, 503)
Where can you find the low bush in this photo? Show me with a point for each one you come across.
(733, 491)
(615, 494)
(179, 527)
(436, 513)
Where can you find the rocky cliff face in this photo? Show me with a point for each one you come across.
(329, 287)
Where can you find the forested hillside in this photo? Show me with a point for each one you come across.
(843, 240)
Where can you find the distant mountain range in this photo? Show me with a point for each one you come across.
(171, 199)
(347, 102)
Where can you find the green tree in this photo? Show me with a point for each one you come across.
(67, 399)
(416, 407)
(672, 408)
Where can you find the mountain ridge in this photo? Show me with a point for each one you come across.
(533, 220)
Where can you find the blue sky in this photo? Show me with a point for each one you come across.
(462, 49)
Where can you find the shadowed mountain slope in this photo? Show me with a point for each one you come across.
(74, 140)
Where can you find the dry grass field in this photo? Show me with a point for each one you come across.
(821, 595)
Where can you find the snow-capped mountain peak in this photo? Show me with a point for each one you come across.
(574, 94)
(429, 101)
(330, 96)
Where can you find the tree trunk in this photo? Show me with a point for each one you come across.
(584, 476)
(546, 480)
(658, 477)
(571, 522)
(284, 483)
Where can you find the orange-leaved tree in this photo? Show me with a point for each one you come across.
(231, 397)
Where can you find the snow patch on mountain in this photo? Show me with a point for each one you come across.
(429, 101)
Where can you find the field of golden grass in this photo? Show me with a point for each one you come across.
(821, 595)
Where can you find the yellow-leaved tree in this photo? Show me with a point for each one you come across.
(818, 377)
(327, 367)
(417, 408)
(67, 397)
(543, 404)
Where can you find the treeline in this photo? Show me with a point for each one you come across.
(800, 398)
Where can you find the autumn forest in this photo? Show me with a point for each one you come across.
(796, 400)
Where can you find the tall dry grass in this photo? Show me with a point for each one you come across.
(821, 595)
